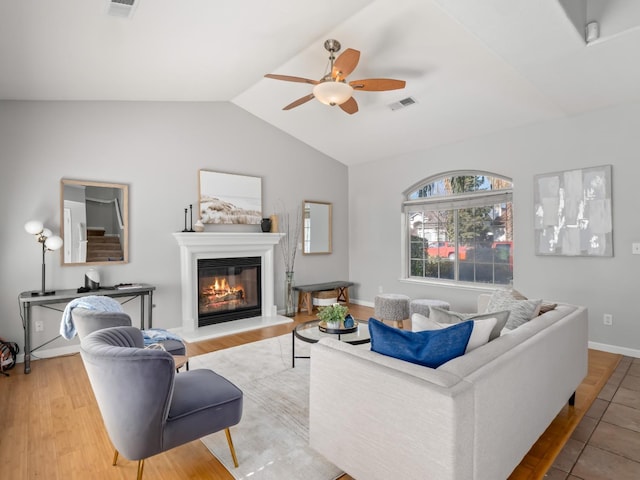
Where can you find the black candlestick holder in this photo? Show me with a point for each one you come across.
(185, 221)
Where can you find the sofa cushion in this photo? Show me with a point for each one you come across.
(482, 328)
(430, 348)
(444, 316)
(521, 311)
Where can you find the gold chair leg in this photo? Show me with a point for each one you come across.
(115, 458)
(233, 450)
(140, 468)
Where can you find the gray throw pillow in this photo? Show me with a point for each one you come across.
(445, 316)
(521, 310)
(544, 306)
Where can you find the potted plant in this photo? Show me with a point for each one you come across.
(332, 315)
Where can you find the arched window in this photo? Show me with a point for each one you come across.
(460, 228)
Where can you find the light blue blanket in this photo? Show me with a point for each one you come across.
(90, 302)
(107, 304)
(155, 335)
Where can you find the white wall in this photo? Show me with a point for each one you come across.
(604, 285)
(157, 149)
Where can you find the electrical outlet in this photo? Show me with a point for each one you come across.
(380, 289)
(635, 248)
(607, 319)
(39, 326)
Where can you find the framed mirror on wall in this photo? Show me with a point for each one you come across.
(316, 227)
(94, 222)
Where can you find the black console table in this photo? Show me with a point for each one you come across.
(65, 296)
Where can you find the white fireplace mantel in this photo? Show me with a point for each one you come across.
(203, 245)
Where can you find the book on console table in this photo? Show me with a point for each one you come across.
(128, 286)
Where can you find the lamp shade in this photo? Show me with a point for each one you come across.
(34, 227)
(53, 243)
(333, 93)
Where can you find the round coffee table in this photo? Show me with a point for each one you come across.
(310, 332)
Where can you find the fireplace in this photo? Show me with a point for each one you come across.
(228, 289)
(195, 247)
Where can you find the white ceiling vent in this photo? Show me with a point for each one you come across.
(121, 8)
(404, 103)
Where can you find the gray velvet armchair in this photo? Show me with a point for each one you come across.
(146, 407)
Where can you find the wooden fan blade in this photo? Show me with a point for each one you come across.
(345, 64)
(299, 102)
(350, 106)
(289, 78)
(377, 84)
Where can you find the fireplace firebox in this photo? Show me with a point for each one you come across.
(228, 289)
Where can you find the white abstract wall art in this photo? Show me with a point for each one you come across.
(573, 215)
(230, 198)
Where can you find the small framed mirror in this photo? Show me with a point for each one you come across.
(316, 227)
(94, 222)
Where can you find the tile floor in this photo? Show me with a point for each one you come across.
(606, 443)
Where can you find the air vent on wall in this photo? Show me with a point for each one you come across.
(121, 8)
(404, 103)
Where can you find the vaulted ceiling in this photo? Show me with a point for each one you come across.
(472, 67)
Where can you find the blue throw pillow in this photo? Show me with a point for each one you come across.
(430, 348)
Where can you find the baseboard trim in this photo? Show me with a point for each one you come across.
(629, 352)
(362, 302)
(50, 353)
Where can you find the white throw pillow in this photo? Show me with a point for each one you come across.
(479, 335)
(420, 323)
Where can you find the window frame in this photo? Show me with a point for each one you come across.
(454, 202)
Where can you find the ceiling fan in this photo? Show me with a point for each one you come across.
(332, 89)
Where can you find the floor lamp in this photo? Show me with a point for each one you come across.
(49, 243)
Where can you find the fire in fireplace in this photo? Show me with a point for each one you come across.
(228, 289)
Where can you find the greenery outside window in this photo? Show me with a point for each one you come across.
(460, 228)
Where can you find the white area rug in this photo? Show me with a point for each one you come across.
(271, 440)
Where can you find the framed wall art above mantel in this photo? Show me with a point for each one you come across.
(229, 198)
(573, 215)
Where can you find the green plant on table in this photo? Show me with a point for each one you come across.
(332, 313)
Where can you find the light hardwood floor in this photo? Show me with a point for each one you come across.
(50, 426)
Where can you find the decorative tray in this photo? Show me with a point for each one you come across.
(323, 328)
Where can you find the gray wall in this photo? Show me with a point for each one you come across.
(157, 149)
(604, 285)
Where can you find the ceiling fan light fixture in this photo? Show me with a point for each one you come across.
(333, 93)
(332, 89)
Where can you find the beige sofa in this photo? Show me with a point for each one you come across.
(474, 417)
